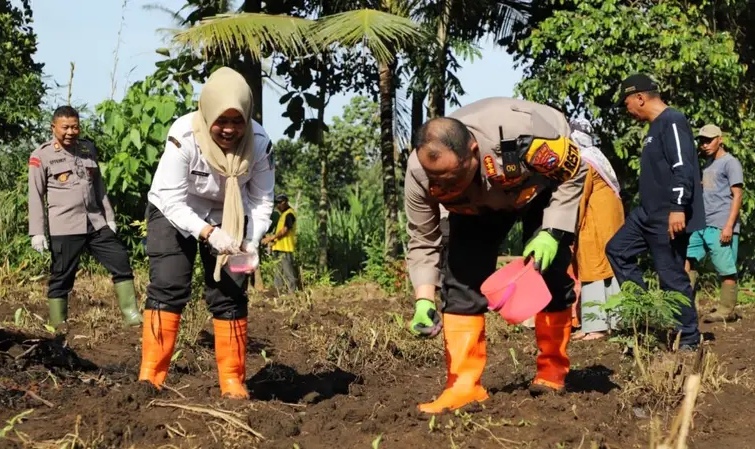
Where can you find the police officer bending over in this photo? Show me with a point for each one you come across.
(79, 216)
(491, 163)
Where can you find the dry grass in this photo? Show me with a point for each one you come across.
(659, 381)
(352, 329)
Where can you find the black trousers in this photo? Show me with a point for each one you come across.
(636, 237)
(171, 265)
(66, 251)
(470, 252)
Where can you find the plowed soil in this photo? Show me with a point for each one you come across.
(335, 370)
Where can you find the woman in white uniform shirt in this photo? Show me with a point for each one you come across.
(213, 185)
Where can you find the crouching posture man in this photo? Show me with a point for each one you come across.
(491, 163)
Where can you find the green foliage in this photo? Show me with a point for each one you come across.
(576, 57)
(642, 313)
(351, 147)
(20, 76)
(351, 228)
(131, 139)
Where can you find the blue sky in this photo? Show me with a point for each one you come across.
(86, 32)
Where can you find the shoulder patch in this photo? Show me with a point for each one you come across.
(557, 159)
(270, 156)
(174, 141)
(34, 161)
(86, 146)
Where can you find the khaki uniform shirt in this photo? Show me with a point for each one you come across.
(563, 174)
(72, 182)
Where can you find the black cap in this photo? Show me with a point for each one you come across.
(634, 84)
(280, 197)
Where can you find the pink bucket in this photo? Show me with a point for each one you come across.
(516, 291)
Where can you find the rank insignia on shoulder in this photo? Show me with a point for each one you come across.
(489, 163)
(174, 141)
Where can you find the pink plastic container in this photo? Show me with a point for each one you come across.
(516, 291)
(242, 262)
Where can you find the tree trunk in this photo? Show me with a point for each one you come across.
(387, 151)
(418, 112)
(437, 106)
(322, 213)
(252, 68)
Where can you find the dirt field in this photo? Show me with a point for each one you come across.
(335, 369)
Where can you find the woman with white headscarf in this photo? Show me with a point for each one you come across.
(212, 191)
(600, 217)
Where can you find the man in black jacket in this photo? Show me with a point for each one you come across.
(671, 202)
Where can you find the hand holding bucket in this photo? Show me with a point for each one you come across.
(516, 291)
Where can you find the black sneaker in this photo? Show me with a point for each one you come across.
(689, 347)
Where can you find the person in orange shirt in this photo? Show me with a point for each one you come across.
(601, 214)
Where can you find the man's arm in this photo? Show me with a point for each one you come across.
(679, 150)
(99, 186)
(423, 227)
(37, 192)
(562, 212)
(735, 175)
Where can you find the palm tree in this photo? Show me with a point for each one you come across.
(381, 33)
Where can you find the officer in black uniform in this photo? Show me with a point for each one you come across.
(671, 202)
(79, 215)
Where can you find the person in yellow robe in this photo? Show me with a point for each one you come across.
(601, 214)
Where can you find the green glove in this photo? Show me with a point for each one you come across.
(426, 321)
(545, 247)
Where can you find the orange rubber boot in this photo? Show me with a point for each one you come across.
(230, 354)
(159, 334)
(466, 354)
(553, 331)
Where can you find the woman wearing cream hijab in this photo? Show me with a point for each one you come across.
(213, 186)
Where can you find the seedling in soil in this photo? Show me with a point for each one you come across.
(13, 421)
(432, 425)
(512, 351)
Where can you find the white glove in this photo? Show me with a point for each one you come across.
(111, 225)
(39, 243)
(222, 242)
(250, 247)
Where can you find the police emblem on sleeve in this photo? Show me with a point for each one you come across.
(544, 160)
(557, 159)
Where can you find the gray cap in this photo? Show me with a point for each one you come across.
(710, 131)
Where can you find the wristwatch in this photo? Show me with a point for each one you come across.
(560, 235)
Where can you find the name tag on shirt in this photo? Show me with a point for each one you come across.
(200, 173)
